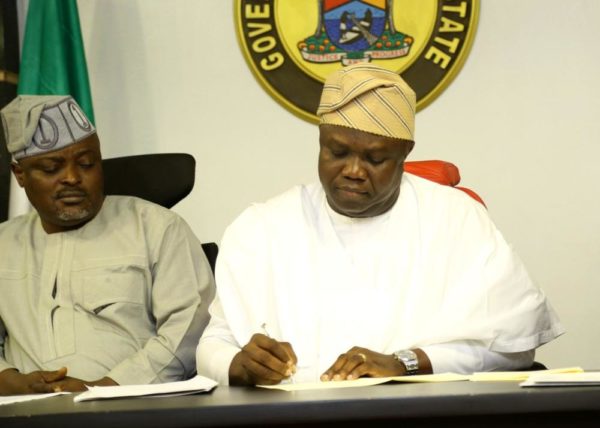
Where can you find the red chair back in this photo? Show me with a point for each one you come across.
(440, 172)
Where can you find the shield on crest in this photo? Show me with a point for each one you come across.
(293, 45)
(354, 25)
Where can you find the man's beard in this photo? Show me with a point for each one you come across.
(76, 214)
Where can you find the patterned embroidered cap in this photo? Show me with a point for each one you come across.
(36, 124)
(371, 99)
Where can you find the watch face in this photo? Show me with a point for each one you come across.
(406, 355)
(409, 359)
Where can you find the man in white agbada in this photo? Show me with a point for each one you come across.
(94, 290)
(372, 272)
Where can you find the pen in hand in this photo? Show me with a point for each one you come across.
(263, 326)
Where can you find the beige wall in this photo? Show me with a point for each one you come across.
(520, 121)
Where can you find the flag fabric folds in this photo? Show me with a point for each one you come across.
(52, 63)
(53, 56)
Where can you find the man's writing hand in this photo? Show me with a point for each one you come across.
(262, 361)
(12, 382)
(362, 362)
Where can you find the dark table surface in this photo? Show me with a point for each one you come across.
(463, 404)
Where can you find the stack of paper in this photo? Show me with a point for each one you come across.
(191, 386)
(517, 376)
(563, 379)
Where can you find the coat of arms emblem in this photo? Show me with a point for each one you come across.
(291, 46)
(353, 31)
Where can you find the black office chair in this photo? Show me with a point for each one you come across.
(162, 178)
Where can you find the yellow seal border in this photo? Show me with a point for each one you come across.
(421, 103)
(460, 61)
(239, 31)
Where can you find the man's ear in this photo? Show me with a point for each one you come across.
(407, 146)
(18, 172)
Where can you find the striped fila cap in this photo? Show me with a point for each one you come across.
(371, 99)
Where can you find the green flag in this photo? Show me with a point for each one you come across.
(53, 57)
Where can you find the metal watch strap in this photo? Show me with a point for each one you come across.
(409, 359)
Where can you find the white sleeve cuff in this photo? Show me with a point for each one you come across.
(217, 347)
(469, 357)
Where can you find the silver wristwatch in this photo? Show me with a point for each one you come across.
(409, 359)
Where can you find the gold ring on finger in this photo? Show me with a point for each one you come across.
(363, 357)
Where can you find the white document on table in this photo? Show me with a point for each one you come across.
(11, 399)
(514, 376)
(563, 379)
(368, 381)
(186, 387)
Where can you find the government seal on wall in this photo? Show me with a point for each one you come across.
(291, 46)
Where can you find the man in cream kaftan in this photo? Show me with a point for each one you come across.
(95, 290)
